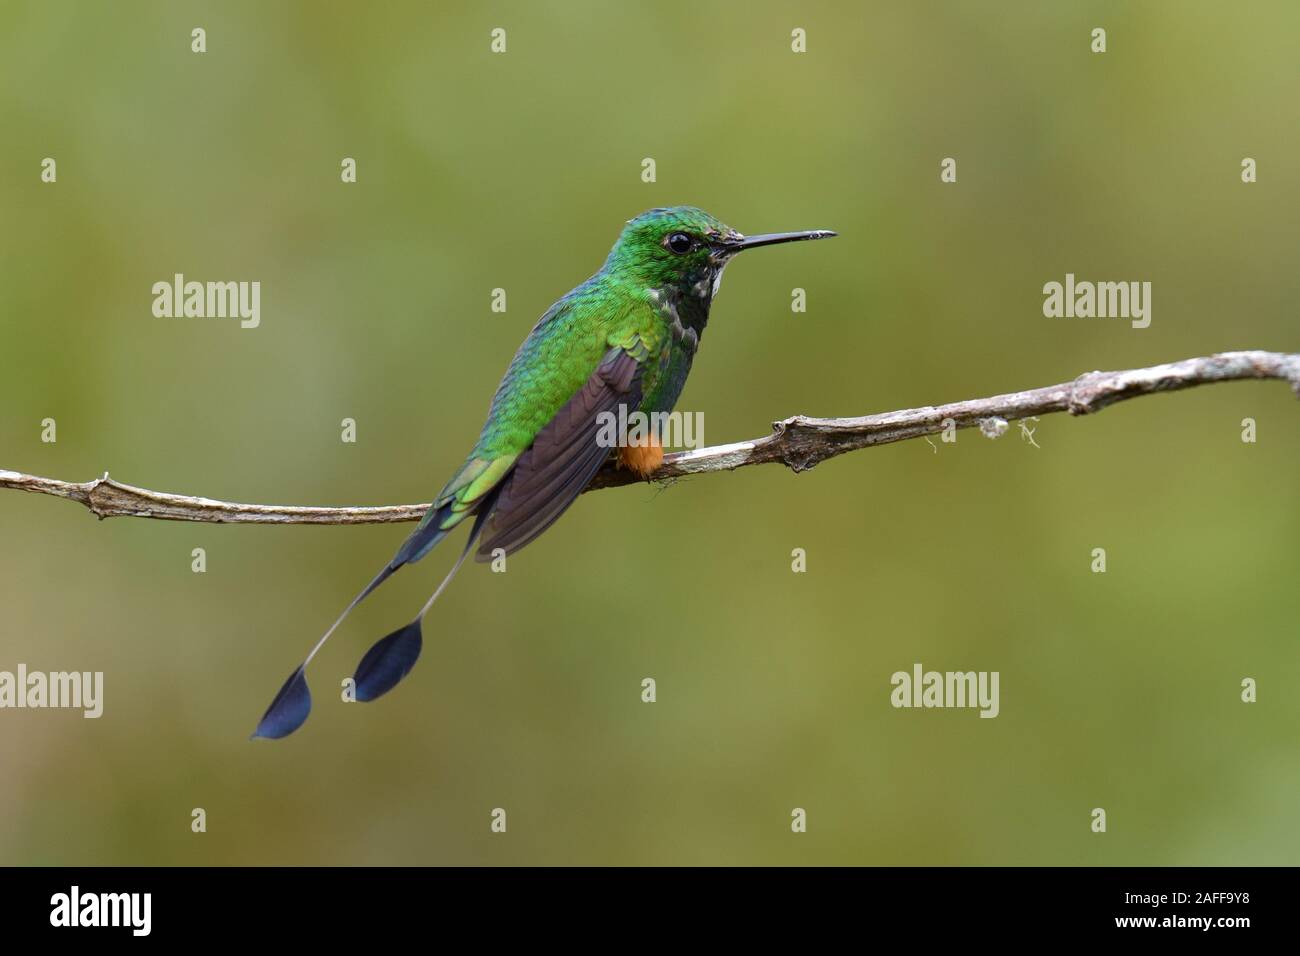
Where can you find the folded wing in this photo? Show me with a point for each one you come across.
(563, 458)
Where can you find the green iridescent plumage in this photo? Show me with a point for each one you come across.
(625, 337)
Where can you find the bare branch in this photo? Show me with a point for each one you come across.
(798, 442)
(107, 498)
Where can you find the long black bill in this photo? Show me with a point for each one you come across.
(772, 238)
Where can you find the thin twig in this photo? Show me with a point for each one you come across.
(798, 442)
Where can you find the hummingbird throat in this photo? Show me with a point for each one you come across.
(709, 284)
(686, 304)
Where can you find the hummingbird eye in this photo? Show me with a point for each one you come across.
(679, 243)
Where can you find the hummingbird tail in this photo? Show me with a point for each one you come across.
(292, 705)
(427, 534)
(392, 656)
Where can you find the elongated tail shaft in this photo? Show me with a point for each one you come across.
(382, 667)
(392, 656)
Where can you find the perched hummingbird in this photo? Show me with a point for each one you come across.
(625, 337)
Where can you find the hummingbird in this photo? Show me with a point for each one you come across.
(623, 340)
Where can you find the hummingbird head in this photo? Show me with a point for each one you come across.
(683, 250)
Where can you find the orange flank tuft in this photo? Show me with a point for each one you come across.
(644, 458)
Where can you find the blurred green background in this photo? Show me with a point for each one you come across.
(476, 171)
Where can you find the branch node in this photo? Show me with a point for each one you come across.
(93, 496)
(1084, 394)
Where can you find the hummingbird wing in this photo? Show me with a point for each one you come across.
(563, 458)
(538, 448)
